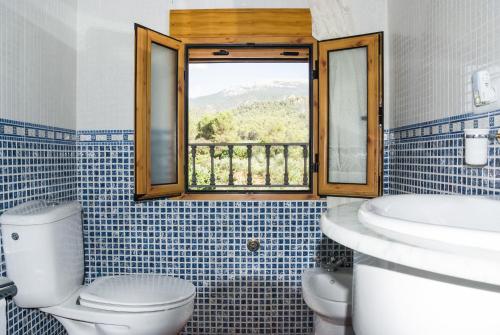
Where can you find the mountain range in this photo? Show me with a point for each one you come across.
(228, 99)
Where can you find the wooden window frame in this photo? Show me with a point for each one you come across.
(264, 42)
(144, 188)
(240, 53)
(373, 44)
(263, 30)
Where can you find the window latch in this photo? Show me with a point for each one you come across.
(315, 70)
(316, 163)
(289, 53)
(221, 53)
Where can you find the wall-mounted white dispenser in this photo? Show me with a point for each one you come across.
(482, 89)
(476, 146)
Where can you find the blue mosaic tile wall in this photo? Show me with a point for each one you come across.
(204, 242)
(238, 291)
(428, 158)
(35, 162)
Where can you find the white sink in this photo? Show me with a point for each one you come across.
(456, 220)
(424, 264)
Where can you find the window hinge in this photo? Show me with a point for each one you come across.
(316, 163)
(315, 70)
(381, 114)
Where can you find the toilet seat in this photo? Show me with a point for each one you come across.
(81, 320)
(137, 293)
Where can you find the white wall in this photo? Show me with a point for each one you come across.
(435, 48)
(105, 71)
(339, 18)
(38, 61)
(105, 89)
(207, 4)
(105, 98)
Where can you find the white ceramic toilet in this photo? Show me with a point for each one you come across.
(329, 295)
(43, 246)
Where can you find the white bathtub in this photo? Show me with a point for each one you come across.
(425, 264)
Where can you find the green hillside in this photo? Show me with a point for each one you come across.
(273, 113)
(231, 98)
(284, 120)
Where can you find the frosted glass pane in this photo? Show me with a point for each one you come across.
(163, 115)
(347, 147)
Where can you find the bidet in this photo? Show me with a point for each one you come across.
(328, 294)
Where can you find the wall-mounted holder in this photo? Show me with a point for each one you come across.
(476, 145)
(7, 288)
(482, 89)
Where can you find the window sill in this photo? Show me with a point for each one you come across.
(244, 197)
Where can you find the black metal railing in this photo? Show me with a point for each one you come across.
(266, 165)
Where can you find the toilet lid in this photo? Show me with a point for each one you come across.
(137, 293)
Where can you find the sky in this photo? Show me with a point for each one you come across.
(209, 78)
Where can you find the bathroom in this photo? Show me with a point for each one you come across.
(69, 128)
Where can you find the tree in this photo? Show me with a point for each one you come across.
(217, 127)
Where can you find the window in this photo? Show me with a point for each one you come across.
(257, 117)
(248, 123)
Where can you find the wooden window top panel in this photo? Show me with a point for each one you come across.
(237, 22)
(299, 54)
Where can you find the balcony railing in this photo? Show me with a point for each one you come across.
(249, 166)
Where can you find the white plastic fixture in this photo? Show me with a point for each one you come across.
(328, 294)
(476, 146)
(42, 241)
(482, 89)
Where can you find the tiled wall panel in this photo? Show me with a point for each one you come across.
(38, 61)
(429, 158)
(435, 46)
(35, 162)
(38, 91)
(204, 242)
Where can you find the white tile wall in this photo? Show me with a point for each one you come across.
(105, 98)
(38, 61)
(196, 4)
(435, 46)
(339, 18)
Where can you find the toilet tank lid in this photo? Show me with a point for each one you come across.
(37, 212)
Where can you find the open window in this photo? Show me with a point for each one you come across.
(192, 142)
(350, 105)
(249, 119)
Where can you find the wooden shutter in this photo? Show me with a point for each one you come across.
(350, 130)
(159, 115)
